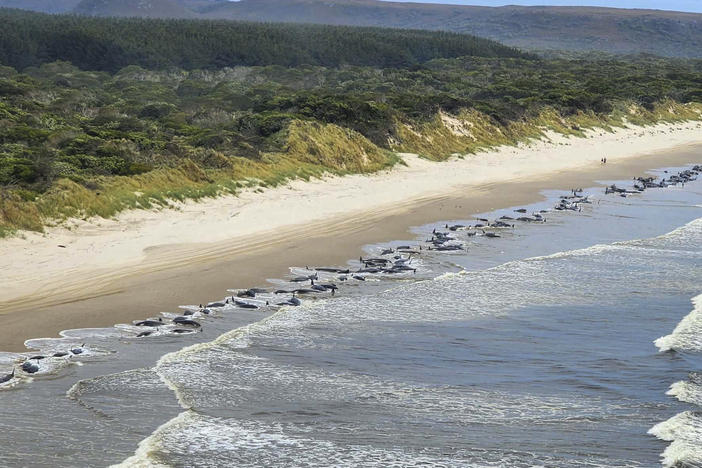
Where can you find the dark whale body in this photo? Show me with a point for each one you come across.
(30, 367)
(293, 301)
(149, 323)
(7, 377)
(186, 321)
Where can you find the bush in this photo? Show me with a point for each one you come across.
(156, 110)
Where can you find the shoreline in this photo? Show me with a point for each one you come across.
(145, 262)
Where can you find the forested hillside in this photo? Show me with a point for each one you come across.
(612, 30)
(109, 44)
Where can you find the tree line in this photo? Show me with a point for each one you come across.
(109, 44)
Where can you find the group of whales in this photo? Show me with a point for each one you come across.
(445, 241)
(31, 364)
(390, 261)
(643, 183)
(573, 202)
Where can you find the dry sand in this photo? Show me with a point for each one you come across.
(143, 262)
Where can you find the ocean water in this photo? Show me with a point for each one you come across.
(570, 343)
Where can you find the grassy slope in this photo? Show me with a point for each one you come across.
(471, 131)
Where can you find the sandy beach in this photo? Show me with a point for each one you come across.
(97, 272)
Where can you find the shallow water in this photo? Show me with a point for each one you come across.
(574, 342)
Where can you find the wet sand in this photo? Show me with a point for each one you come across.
(172, 275)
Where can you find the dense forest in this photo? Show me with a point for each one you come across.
(77, 141)
(109, 44)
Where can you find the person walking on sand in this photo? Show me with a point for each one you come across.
(605, 160)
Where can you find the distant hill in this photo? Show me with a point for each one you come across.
(579, 29)
(560, 28)
(132, 8)
(46, 6)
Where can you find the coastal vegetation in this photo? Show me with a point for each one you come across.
(95, 139)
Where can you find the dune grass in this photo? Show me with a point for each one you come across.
(469, 131)
(312, 150)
